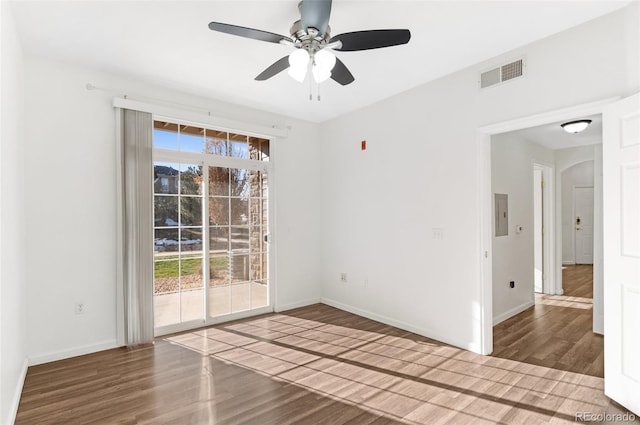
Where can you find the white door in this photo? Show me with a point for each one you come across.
(537, 230)
(621, 219)
(583, 222)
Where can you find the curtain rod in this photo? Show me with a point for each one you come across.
(91, 87)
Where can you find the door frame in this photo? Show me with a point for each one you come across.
(573, 215)
(207, 161)
(548, 225)
(483, 150)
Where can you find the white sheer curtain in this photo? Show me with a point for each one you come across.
(137, 226)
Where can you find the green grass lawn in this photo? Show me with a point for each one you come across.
(169, 266)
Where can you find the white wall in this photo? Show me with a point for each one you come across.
(420, 172)
(70, 192)
(13, 302)
(512, 160)
(576, 175)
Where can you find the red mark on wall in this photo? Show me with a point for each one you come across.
(363, 145)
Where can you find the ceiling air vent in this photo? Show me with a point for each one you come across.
(503, 73)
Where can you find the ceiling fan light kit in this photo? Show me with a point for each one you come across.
(311, 37)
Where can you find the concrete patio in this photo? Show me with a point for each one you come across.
(184, 306)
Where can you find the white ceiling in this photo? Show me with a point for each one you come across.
(168, 42)
(552, 136)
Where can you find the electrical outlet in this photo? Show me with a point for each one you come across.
(80, 308)
(343, 277)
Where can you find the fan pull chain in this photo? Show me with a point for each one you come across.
(310, 84)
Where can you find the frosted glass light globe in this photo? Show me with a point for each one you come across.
(298, 61)
(324, 61)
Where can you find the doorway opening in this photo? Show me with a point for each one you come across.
(525, 291)
(561, 159)
(211, 225)
(542, 228)
(538, 230)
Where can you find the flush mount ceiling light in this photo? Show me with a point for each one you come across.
(575, 126)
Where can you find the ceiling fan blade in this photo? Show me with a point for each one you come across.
(315, 14)
(275, 68)
(248, 32)
(341, 74)
(372, 39)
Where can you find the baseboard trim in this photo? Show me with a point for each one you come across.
(297, 304)
(476, 348)
(13, 409)
(568, 263)
(598, 328)
(72, 352)
(512, 312)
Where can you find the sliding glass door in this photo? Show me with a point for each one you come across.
(211, 222)
(238, 230)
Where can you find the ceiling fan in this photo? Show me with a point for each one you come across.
(311, 37)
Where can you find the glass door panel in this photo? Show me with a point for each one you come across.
(237, 247)
(191, 277)
(219, 288)
(192, 288)
(259, 279)
(240, 292)
(178, 243)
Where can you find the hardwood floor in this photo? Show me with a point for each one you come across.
(577, 280)
(557, 331)
(314, 365)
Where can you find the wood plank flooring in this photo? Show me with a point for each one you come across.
(318, 365)
(557, 331)
(577, 280)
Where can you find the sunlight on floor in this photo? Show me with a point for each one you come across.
(564, 301)
(407, 380)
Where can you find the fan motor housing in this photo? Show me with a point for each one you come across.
(310, 38)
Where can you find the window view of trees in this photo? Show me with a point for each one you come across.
(185, 138)
(178, 241)
(236, 217)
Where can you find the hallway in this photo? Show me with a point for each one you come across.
(557, 331)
